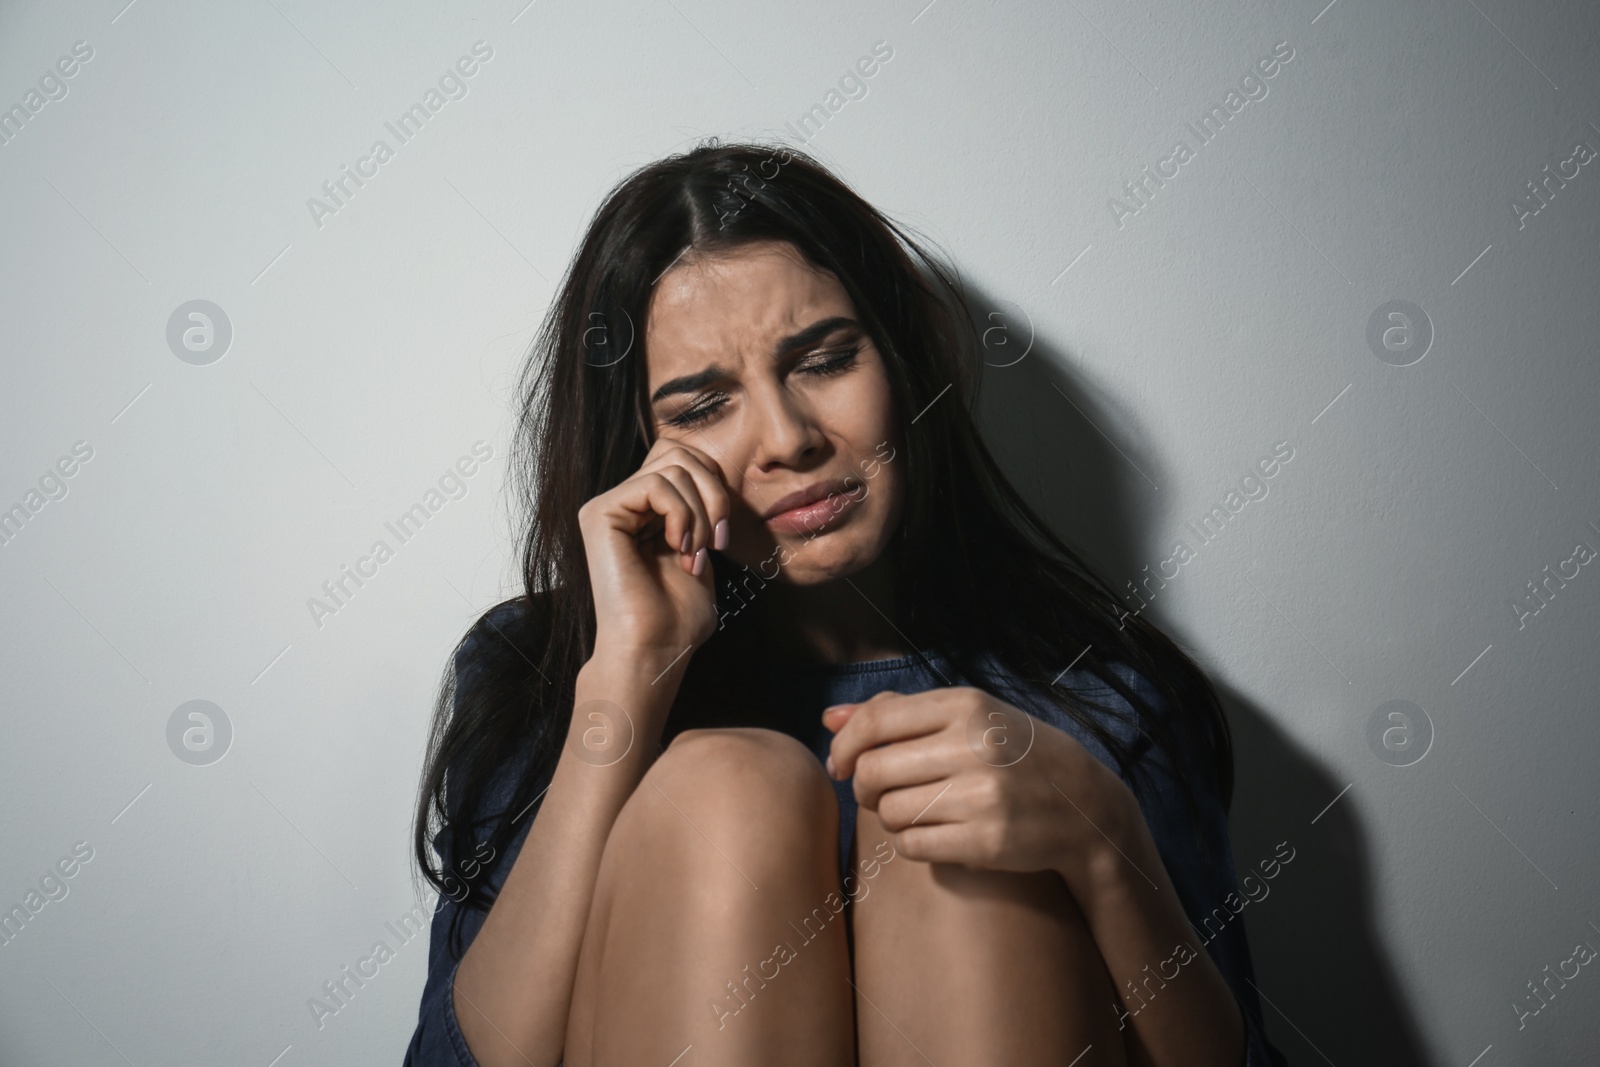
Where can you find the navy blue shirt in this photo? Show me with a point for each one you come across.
(798, 692)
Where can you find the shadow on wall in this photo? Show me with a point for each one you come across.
(1318, 958)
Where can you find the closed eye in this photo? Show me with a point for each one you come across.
(827, 365)
(837, 362)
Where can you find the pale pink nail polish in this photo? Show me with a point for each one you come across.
(700, 558)
(684, 548)
(719, 539)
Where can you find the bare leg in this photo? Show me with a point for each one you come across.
(962, 966)
(711, 925)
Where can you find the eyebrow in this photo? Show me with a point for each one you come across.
(806, 338)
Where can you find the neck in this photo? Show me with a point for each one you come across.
(846, 620)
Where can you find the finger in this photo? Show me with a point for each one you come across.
(653, 494)
(836, 715)
(928, 804)
(714, 494)
(888, 717)
(950, 842)
(712, 465)
(700, 529)
(904, 764)
(710, 484)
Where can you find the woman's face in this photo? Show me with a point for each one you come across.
(756, 359)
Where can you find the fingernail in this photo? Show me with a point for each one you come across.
(830, 766)
(684, 548)
(719, 540)
(700, 558)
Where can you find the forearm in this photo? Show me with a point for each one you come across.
(1175, 1001)
(514, 985)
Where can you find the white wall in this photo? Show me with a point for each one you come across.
(370, 352)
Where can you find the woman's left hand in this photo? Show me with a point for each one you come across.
(957, 775)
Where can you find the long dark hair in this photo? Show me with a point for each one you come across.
(977, 570)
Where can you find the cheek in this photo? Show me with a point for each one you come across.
(860, 411)
(862, 423)
(890, 489)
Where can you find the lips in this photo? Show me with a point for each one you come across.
(809, 495)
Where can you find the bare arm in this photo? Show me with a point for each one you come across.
(514, 985)
(1179, 1009)
(647, 542)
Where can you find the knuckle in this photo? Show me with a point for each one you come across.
(686, 461)
(868, 768)
(992, 839)
(866, 719)
(990, 791)
(891, 814)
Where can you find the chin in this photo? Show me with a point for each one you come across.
(830, 556)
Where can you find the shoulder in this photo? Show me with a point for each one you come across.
(1183, 726)
(497, 642)
(1098, 688)
(506, 637)
(500, 622)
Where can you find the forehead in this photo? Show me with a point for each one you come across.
(735, 305)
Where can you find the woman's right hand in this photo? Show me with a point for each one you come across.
(649, 542)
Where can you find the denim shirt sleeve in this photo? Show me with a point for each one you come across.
(437, 1040)
(1206, 884)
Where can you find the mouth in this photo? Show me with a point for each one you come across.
(812, 507)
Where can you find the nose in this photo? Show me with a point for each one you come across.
(786, 433)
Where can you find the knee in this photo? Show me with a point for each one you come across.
(758, 795)
(747, 774)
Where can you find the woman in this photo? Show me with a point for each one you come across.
(808, 742)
